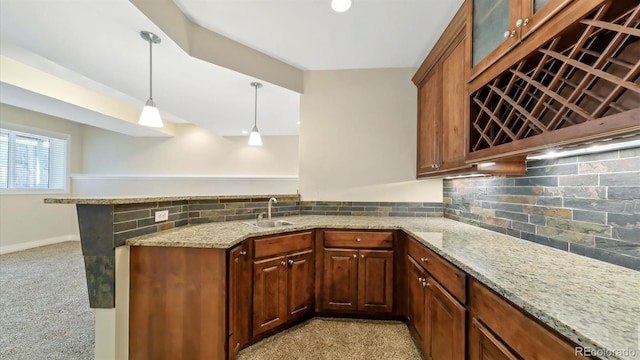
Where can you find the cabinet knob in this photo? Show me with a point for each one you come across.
(425, 284)
(283, 263)
(420, 279)
(358, 239)
(243, 253)
(424, 259)
(509, 34)
(362, 256)
(291, 261)
(355, 256)
(522, 22)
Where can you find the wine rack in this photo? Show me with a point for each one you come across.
(589, 71)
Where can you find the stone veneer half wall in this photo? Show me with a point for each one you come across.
(588, 204)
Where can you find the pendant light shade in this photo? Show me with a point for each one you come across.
(150, 115)
(254, 138)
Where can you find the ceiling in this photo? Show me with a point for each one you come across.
(96, 44)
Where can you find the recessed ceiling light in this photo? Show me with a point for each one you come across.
(340, 5)
(244, 132)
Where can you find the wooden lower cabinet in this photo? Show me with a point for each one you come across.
(239, 298)
(496, 325)
(357, 280)
(417, 299)
(483, 345)
(282, 290)
(435, 316)
(446, 319)
(177, 303)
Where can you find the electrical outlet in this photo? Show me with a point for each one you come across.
(162, 215)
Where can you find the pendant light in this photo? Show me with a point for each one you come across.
(340, 5)
(254, 138)
(150, 115)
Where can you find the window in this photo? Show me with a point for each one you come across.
(32, 161)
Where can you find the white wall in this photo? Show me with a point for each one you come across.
(358, 137)
(25, 220)
(194, 162)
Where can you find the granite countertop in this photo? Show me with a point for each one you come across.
(146, 199)
(593, 303)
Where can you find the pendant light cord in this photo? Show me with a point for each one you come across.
(150, 69)
(255, 114)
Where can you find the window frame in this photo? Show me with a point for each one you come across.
(11, 127)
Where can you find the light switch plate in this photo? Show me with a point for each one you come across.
(162, 215)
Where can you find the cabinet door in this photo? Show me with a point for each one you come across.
(455, 108)
(445, 324)
(417, 298)
(239, 300)
(537, 12)
(484, 346)
(269, 294)
(492, 28)
(375, 280)
(340, 279)
(300, 284)
(429, 111)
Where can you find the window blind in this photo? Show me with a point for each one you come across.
(32, 161)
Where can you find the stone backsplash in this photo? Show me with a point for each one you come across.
(131, 220)
(370, 208)
(588, 204)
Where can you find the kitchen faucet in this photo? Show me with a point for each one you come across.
(271, 201)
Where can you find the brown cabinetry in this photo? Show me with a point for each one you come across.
(443, 109)
(239, 298)
(436, 317)
(502, 331)
(283, 274)
(573, 81)
(357, 273)
(496, 26)
(177, 304)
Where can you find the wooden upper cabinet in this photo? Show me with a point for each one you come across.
(429, 116)
(455, 108)
(496, 26)
(573, 81)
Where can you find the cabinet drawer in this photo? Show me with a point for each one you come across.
(358, 239)
(528, 338)
(452, 278)
(278, 245)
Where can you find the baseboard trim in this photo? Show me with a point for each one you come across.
(37, 243)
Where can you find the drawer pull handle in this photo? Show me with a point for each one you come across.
(291, 262)
(355, 256)
(358, 239)
(283, 263)
(362, 256)
(425, 284)
(420, 279)
(424, 259)
(243, 253)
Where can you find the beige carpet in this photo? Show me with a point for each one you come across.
(329, 339)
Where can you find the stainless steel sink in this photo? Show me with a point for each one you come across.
(270, 223)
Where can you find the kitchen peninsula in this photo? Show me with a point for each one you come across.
(577, 300)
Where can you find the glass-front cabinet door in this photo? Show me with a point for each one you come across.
(491, 31)
(537, 12)
(496, 26)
